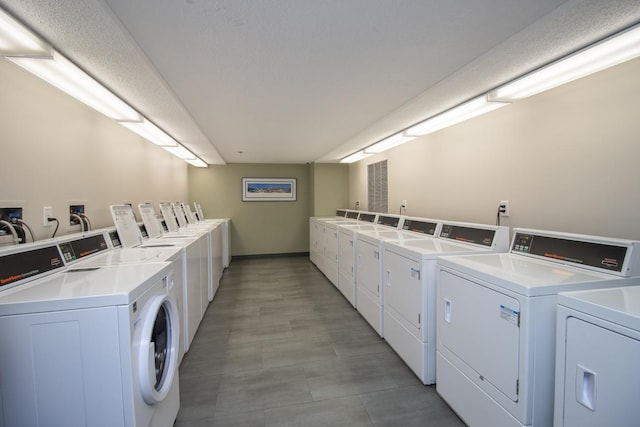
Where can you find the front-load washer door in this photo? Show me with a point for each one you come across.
(158, 357)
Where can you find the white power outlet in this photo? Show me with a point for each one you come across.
(403, 205)
(504, 208)
(47, 212)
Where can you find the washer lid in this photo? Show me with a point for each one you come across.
(617, 305)
(430, 248)
(529, 276)
(79, 287)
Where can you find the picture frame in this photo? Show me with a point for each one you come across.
(269, 190)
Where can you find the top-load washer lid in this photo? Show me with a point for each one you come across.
(429, 248)
(616, 305)
(78, 288)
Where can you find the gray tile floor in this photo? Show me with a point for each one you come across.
(281, 346)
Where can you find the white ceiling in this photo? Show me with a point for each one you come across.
(294, 81)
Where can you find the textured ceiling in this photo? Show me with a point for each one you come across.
(294, 81)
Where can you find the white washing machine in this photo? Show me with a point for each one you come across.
(89, 251)
(496, 321)
(196, 282)
(88, 346)
(597, 354)
(409, 277)
(213, 230)
(329, 246)
(370, 293)
(347, 249)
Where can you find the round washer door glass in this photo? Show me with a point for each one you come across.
(158, 348)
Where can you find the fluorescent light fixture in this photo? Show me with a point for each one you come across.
(610, 52)
(181, 152)
(151, 132)
(197, 163)
(388, 143)
(462, 112)
(18, 40)
(352, 158)
(66, 76)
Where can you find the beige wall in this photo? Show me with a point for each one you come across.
(55, 150)
(257, 227)
(567, 159)
(329, 188)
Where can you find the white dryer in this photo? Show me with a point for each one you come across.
(597, 354)
(409, 277)
(496, 321)
(347, 249)
(88, 346)
(369, 289)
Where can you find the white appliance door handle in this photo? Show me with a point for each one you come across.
(388, 278)
(376, 254)
(447, 310)
(586, 390)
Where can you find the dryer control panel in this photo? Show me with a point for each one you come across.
(600, 255)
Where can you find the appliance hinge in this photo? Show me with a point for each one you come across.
(517, 386)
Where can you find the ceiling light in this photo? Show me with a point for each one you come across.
(66, 76)
(608, 53)
(462, 112)
(151, 132)
(388, 143)
(197, 163)
(355, 157)
(181, 152)
(18, 40)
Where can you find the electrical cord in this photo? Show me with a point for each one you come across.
(21, 222)
(86, 219)
(57, 225)
(80, 221)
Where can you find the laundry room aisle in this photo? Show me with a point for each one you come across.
(281, 346)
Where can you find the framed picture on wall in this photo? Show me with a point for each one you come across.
(268, 189)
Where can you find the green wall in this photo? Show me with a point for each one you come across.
(328, 188)
(259, 228)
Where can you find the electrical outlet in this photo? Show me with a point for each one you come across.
(403, 205)
(504, 208)
(47, 212)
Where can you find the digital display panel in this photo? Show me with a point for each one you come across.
(81, 248)
(23, 265)
(367, 217)
(389, 221)
(600, 255)
(423, 227)
(353, 215)
(478, 236)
